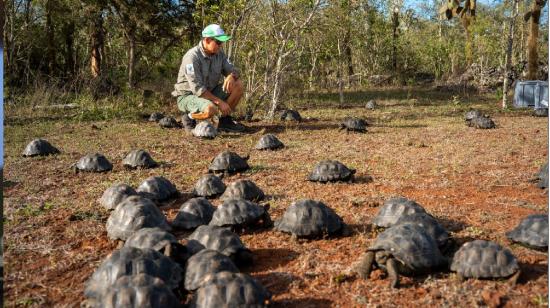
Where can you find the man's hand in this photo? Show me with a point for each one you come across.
(224, 107)
(228, 83)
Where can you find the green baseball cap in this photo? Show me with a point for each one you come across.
(215, 31)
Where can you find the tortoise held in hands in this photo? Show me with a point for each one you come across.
(353, 124)
(93, 163)
(243, 189)
(405, 249)
(331, 171)
(485, 259)
(139, 159)
(236, 213)
(193, 213)
(139, 290)
(269, 142)
(209, 186)
(205, 130)
(532, 232)
(132, 214)
(116, 194)
(310, 218)
(222, 240)
(157, 188)
(395, 208)
(132, 261)
(227, 289)
(228, 162)
(39, 147)
(203, 263)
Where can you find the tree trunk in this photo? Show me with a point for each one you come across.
(395, 24)
(509, 49)
(131, 59)
(97, 45)
(69, 49)
(50, 47)
(532, 44)
(276, 88)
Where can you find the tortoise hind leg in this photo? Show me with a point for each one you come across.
(365, 265)
(392, 272)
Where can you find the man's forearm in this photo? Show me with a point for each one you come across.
(211, 97)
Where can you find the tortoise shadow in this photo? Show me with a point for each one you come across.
(271, 258)
(306, 302)
(531, 272)
(277, 282)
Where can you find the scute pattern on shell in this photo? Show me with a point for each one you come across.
(531, 231)
(269, 142)
(237, 212)
(168, 122)
(228, 289)
(39, 147)
(222, 240)
(309, 218)
(229, 162)
(153, 238)
(430, 224)
(411, 245)
(484, 259)
(471, 114)
(354, 124)
(206, 262)
(243, 189)
(132, 261)
(139, 290)
(193, 213)
(132, 214)
(116, 194)
(157, 188)
(395, 208)
(209, 186)
(94, 163)
(139, 159)
(331, 171)
(206, 130)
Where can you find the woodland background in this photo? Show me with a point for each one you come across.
(122, 53)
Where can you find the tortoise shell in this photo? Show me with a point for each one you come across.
(532, 231)
(354, 124)
(222, 240)
(430, 224)
(116, 194)
(209, 186)
(205, 130)
(309, 218)
(94, 163)
(229, 162)
(39, 147)
(153, 238)
(484, 259)
(204, 263)
(132, 214)
(169, 122)
(291, 115)
(269, 142)
(157, 188)
(331, 171)
(542, 176)
(156, 116)
(243, 189)
(371, 105)
(139, 159)
(238, 212)
(227, 289)
(193, 213)
(395, 208)
(482, 123)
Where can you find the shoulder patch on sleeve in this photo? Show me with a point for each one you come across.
(189, 70)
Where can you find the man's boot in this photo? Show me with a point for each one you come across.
(227, 124)
(188, 123)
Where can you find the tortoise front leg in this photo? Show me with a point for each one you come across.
(392, 272)
(365, 265)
